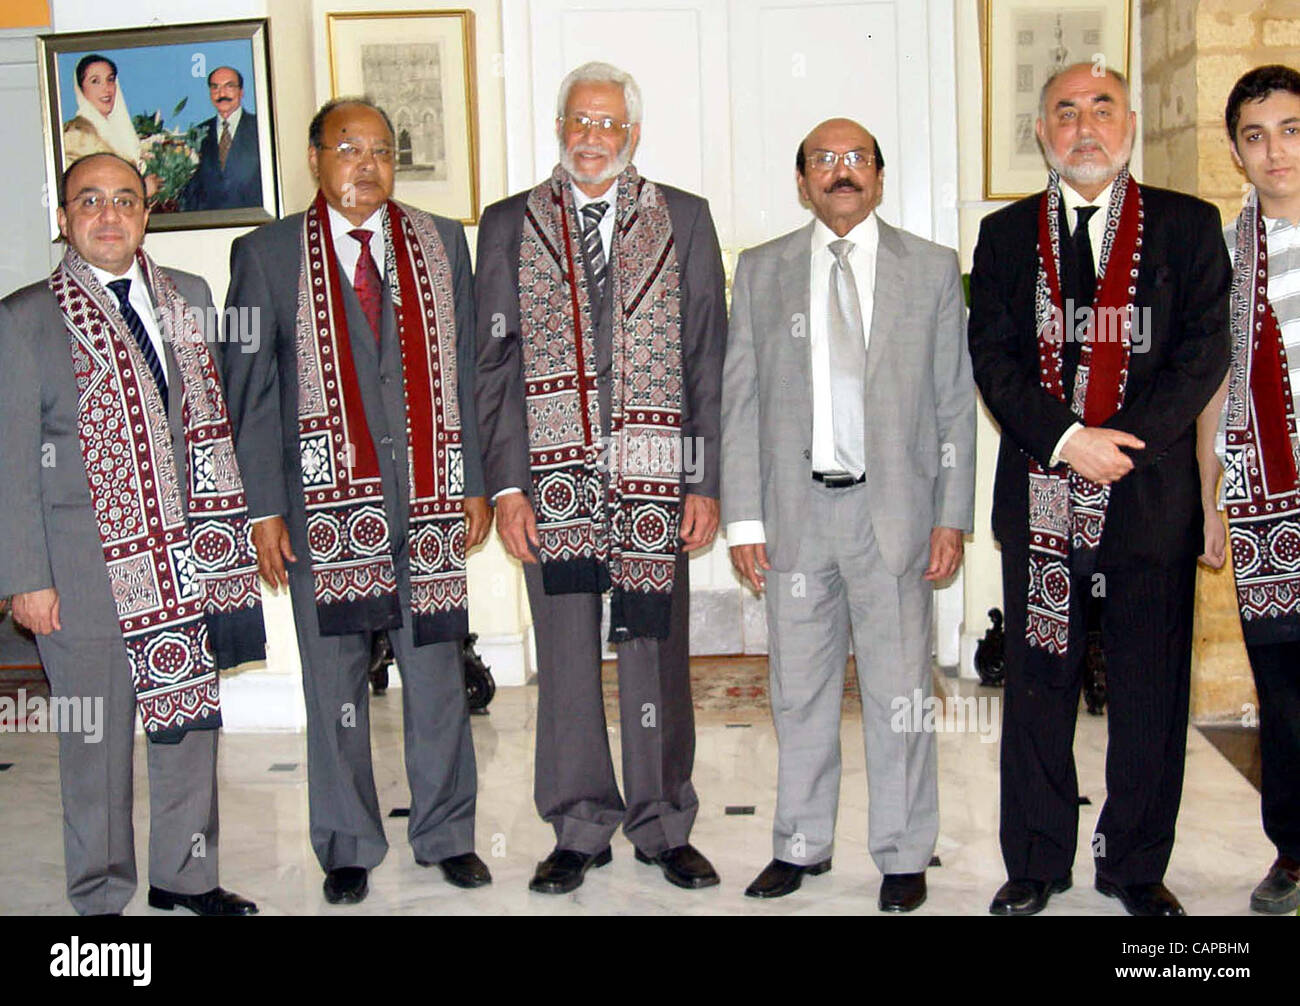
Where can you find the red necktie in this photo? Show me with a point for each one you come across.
(367, 283)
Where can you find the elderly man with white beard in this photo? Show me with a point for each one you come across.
(1096, 498)
(601, 329)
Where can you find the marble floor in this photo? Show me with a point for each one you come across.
(1220, 854)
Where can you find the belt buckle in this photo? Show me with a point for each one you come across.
(837, 481)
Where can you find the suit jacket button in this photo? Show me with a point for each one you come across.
(807, 455)
(385, 440)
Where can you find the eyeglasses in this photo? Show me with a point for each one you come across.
(604, 125)
(351, 153)
(97, 202)
(825, 160)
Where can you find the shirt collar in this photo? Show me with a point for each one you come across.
(1073, 200)
(581, 199)
(340, 225)
(133, 274)
(865, 235)
(235, 116)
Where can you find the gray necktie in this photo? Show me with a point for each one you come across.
(592, 214)
(848, 362)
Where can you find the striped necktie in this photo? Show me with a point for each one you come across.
(592, 214)
(223, 144)
(122, 290)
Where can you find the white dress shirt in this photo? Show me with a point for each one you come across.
(606, 228)
(1096, 231)
(138, 296)
(606, 225)
(233, 121)
(862, 258)
(348, 248)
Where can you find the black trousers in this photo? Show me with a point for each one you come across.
(1277, 680)
(1146, 633)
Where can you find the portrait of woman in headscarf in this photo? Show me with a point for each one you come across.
(102, 123)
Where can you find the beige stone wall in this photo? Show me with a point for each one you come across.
(1192, 54)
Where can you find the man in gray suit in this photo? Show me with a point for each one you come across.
(354, 420)
(601, 326)
(848, 472)
(113, 600)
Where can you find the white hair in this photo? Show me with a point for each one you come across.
(601, 73)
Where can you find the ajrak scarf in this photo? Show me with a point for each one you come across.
(619, 532)
(1067, 512)
(180, 564)
(1261, 487)
(347, 526)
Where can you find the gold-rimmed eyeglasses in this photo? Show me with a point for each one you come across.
(825, 160)
(580, 122)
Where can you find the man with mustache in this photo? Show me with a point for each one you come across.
(1096, 496)
(229, 174)
(848, 455)
(602, 321)
(1249, 432)
(123, 540)
(354, 419)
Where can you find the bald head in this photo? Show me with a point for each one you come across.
(840, 195)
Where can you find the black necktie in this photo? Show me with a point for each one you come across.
(1086, 284)
(592, 215)
(122, 290)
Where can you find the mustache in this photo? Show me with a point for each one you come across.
(844, 183)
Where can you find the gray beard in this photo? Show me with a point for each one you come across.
(613, 171)
(1090, 174)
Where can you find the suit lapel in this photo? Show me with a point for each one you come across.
(796, 280)
(887, 297)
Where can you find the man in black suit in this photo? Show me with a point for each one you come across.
(353, 416)
(602, 323)
(229, 175)
(1098, 331)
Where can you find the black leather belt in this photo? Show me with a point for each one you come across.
(838, 481)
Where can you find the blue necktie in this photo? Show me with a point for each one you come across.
(122, 290)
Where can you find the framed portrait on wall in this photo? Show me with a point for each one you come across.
(419, 67)
(190, 106)
(1024, 44)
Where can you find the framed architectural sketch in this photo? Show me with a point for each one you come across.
(190, 106)
(1025, 43)
(419, 67)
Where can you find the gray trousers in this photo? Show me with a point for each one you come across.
(840, 582)
(574, 784)
(347, 828)
(96, 784)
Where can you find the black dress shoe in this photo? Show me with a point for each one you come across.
(684, 866)
(562, 871)
(465, 870)
(346, 885)
(780, 878)
(1141, 899)
(902, 892)
(1279, 892)
(217, 901)
(1027, 897)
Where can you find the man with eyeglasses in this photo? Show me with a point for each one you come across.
(1098, 331)
(354, 419)
(601, 325)
(848, 456)
(123, 532)
(229, 174)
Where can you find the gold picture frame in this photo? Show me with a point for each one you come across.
(419, 67)
(1023, 42)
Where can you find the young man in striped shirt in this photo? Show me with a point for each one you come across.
(1249, 432)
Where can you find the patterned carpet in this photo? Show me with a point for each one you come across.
(727, 685)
